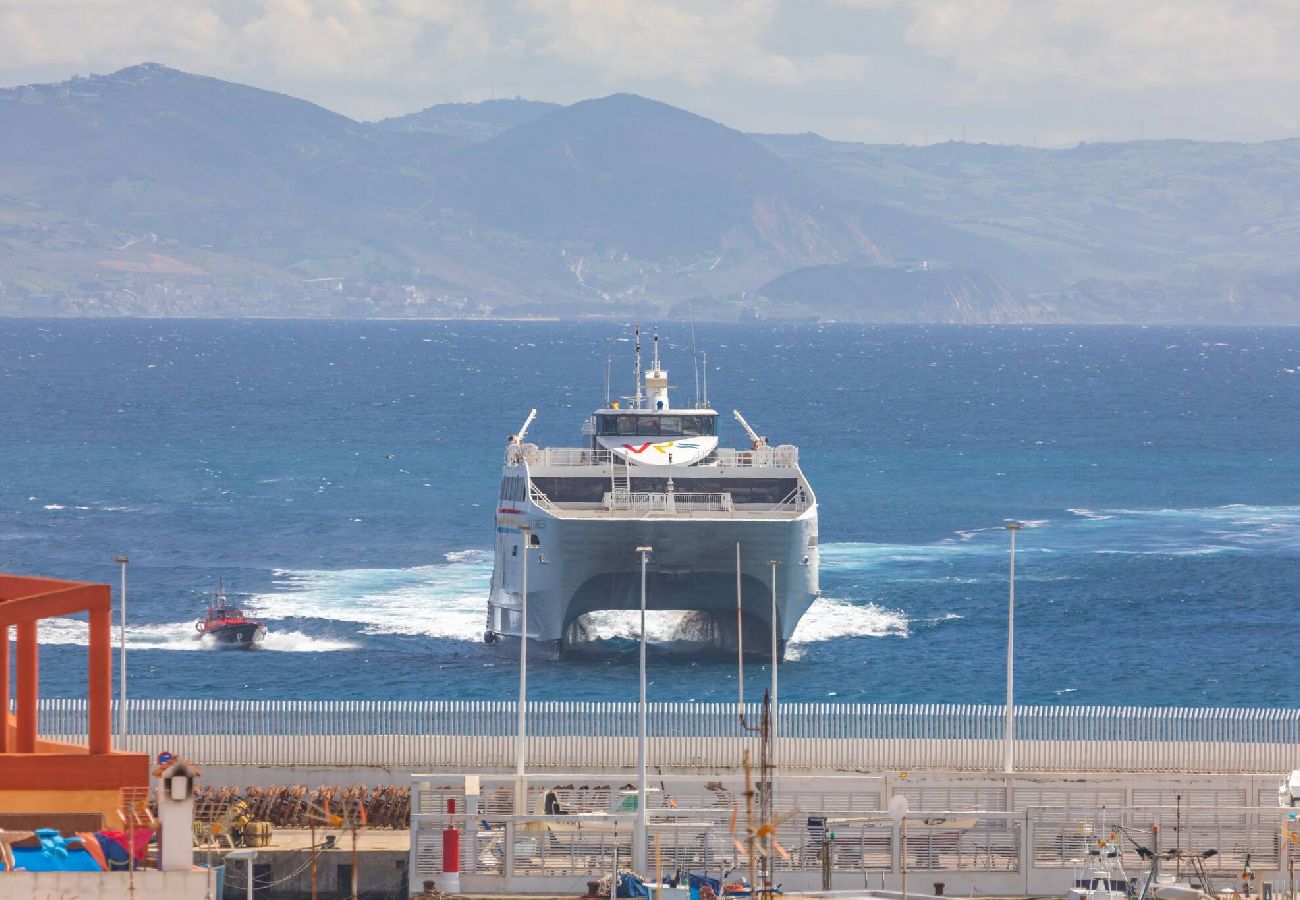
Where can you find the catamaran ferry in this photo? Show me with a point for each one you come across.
(570, 522)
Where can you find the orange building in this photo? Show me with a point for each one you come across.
(42, 776)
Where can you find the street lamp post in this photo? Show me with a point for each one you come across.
(121, 674)
(642, 819)
(775, 717)
(775, 643)
(521, 734)
(1009, 726)
(740, 644)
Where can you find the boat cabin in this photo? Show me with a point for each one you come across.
(655, 436)
(653, 423)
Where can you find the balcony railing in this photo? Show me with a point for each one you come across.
(649, 501)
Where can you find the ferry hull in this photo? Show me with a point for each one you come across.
(577, 566)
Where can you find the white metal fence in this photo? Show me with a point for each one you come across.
(1029, 837)
(813, 736)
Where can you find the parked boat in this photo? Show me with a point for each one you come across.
(227, 627)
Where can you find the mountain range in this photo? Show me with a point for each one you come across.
(152, 191)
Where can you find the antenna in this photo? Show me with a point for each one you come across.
(656, 352)
(695, 364)
(609, 361)
(705, 354)
(637, 370)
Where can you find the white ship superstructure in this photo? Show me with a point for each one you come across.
(652, 475)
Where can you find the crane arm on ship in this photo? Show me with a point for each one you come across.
(519, 438)
(757, 441)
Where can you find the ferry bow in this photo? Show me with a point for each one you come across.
(652, 474)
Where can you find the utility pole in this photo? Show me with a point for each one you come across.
(642, 818)
(521, 733)
(1009, 726)
(121, 674)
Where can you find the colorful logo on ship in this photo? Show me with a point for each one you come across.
(662, 448)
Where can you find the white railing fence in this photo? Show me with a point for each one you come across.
(1010, 844)
(814, 736)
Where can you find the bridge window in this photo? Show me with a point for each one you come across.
(656, 426)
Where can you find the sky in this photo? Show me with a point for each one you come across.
(1036, 72)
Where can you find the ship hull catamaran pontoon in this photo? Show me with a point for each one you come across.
(652, 475)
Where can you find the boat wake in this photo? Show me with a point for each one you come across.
(446, 600)
(869, 586)
(180, 636)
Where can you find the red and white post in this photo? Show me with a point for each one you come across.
(450, 854)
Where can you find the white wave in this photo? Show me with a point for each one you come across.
(946, 617)
(156, 636)
(1089, 514)
(54, 506)
(297, 642)
(863, 556)
(446, 600)
(474, 556)
(829, 618)
(661, 626)
(177, 636)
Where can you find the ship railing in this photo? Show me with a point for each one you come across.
(786, 456)
(693, 500)
(635, 501)
(650, 501)
(539, 498)
(796, 501)
(567, 456)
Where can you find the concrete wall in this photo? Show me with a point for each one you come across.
(104, 885)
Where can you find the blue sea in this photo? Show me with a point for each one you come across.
(340, 477)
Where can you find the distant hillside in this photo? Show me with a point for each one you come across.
(153, 191)
(850, 293)
(1137, 231)
(631, 175)
(470, 121)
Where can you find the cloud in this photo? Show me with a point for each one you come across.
(883, 69)
(1110, 45)
(697, 43)
(43, 33)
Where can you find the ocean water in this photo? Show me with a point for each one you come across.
(340, 477)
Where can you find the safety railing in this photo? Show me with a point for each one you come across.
(794, 502)
(786, 456)
(697, 824)
(813, 736)
(562, 457)
(650, 501)
(539, 498)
